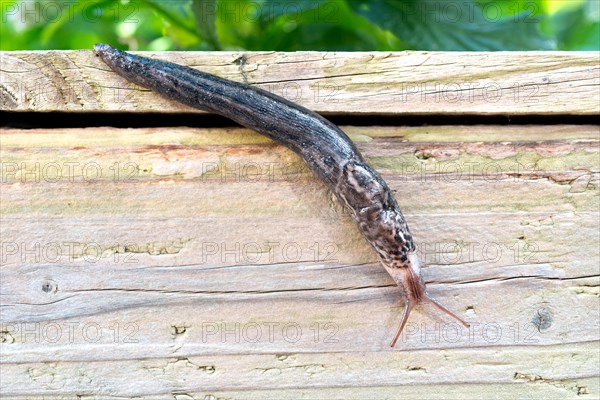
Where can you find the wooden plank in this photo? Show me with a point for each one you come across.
(190, 262)
(201, 375)
(354, 83)
(540, 388)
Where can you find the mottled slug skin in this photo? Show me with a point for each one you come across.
(324, 147)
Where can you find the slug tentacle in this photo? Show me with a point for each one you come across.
(407, 310)
(324, 147)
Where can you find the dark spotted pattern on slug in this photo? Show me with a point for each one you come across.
(323, 146)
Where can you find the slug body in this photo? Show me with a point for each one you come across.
(324, 147)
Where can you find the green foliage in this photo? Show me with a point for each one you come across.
(288, 25)
(460, 25)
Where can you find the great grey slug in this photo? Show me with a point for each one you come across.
(322, 145)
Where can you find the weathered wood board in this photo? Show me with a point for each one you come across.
(198, 263)
(351, 83)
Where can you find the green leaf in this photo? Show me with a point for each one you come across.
(289, 25)
(205, 12)
(450, 26)
(576, 28)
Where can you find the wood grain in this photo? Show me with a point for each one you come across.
(353, 83)
(192, 263)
